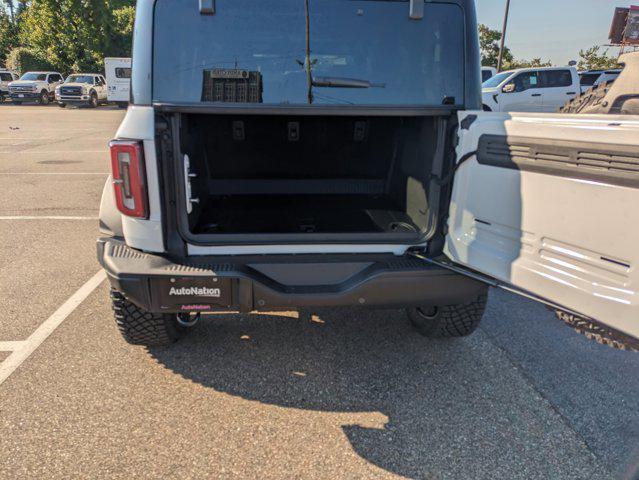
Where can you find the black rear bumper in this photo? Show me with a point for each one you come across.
(159, 284)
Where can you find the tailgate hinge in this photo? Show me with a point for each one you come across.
(207, 7)
(416, 9)
(496, 283)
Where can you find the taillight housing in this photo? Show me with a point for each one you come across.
(129, 178)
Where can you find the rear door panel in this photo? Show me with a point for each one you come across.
(550, 205)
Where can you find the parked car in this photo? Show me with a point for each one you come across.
(35, 87)
(118, 74)
(488, 72)
(592, 78)
(530, 89)
(354, 176)
(88, 89)
(6, 77)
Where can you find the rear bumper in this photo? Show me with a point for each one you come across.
(159, 284)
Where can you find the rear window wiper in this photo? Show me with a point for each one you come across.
(341, 82)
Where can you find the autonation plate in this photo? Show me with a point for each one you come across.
(193, 294)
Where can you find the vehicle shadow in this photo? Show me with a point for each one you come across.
(451, 405)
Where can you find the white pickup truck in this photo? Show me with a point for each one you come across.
(35, 86)
(6, 77)
(88, 89)
(530, 89)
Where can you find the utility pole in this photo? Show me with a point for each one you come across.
(307, 63)
(500, 62)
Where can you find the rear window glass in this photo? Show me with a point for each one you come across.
(255, 52)
(485, 75)
(588, 79)
(556, 78)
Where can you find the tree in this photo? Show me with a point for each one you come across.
(76, 35)
(592, 59)
(489, 47)
(534, 63)
(22, 59)
(123, 18)
(8, 35)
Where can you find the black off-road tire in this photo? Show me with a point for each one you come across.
(590, 98)
(62, 105)
(44, 98)
(139, 327)
(93, 101)
(448, 321)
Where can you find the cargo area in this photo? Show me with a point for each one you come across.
(303, 178)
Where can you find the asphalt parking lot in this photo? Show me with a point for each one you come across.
(310, 394)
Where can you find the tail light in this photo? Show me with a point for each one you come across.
(129, 178)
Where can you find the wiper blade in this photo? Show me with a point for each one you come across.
(340, 82)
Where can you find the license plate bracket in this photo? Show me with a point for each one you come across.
(193, 293)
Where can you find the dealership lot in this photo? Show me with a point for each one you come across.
(325, 394)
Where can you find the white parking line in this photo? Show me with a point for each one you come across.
(54, 217)
(30, 345)
(10, 346)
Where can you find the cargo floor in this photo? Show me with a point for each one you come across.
(302, 214)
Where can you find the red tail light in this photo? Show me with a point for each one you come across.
(129, 178)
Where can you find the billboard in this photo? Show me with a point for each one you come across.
(631, 35)
(618, 25)
(625, 26)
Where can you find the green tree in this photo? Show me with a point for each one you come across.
(22, 60)
(594, 59)
(534, 63)
(76, 35)
(123, 20)
(489, 47)
(8, 35)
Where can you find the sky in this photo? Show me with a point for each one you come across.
(554, 30)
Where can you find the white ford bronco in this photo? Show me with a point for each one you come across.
(89, 89)
(282, 154)
(35, 87)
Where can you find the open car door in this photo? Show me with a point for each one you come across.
(548, 205)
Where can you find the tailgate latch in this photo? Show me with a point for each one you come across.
(188, 191)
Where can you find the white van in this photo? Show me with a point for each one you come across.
(530, 89)
(118, 77)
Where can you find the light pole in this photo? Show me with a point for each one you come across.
(500, 61)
